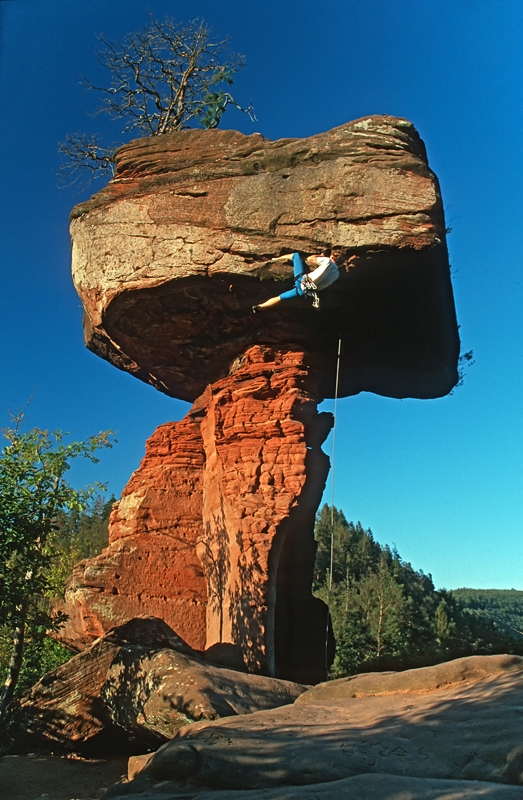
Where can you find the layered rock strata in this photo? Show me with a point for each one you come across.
(133, 689)
(150, 566)
(214, 532)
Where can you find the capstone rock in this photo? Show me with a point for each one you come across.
(169, 258)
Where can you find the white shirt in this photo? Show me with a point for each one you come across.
(325, 273)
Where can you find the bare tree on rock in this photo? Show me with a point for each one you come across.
(164, 78)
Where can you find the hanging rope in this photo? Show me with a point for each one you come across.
(329, 584)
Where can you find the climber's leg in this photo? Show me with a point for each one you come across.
(275, 300)
(299, 266)
(297, 291)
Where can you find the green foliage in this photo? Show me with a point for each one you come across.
(33, 493)
(41, 654)
(77, 534)
(385, 614)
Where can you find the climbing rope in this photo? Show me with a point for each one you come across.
(329, 584)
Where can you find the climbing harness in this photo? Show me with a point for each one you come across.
(310, 290)
(329, 584)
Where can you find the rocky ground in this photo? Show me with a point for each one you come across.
(449, 732)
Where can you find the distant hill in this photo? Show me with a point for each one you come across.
(504, 606)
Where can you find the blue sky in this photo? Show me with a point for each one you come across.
(440, 479)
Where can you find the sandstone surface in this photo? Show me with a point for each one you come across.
(135, 687)
(359, 787)
(150, 566)
(470, 731)
(214, 532)
(64, 708)
(170, 256)
(154, 694)
(461, 670)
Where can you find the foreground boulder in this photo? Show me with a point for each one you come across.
(471, 730)
(135, 687)
(64, 710)
(154, 694)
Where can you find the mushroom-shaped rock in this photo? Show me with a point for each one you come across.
(168, 260)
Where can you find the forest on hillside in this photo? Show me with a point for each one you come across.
(388, 616)
(503, 606)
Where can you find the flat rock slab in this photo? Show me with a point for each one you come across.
(468, 731)
(359, 787)
(424, 679)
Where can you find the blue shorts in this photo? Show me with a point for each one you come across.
(299, 272)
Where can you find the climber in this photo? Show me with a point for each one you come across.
(325, 270)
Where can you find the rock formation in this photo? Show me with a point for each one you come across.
(221, 507)
(151, 564)
(133, 689)
(214, 531)
(170, 256)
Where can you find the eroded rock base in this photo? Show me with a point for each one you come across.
(214, 531)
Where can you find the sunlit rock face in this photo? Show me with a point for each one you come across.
(214, 532)
(150, 566)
